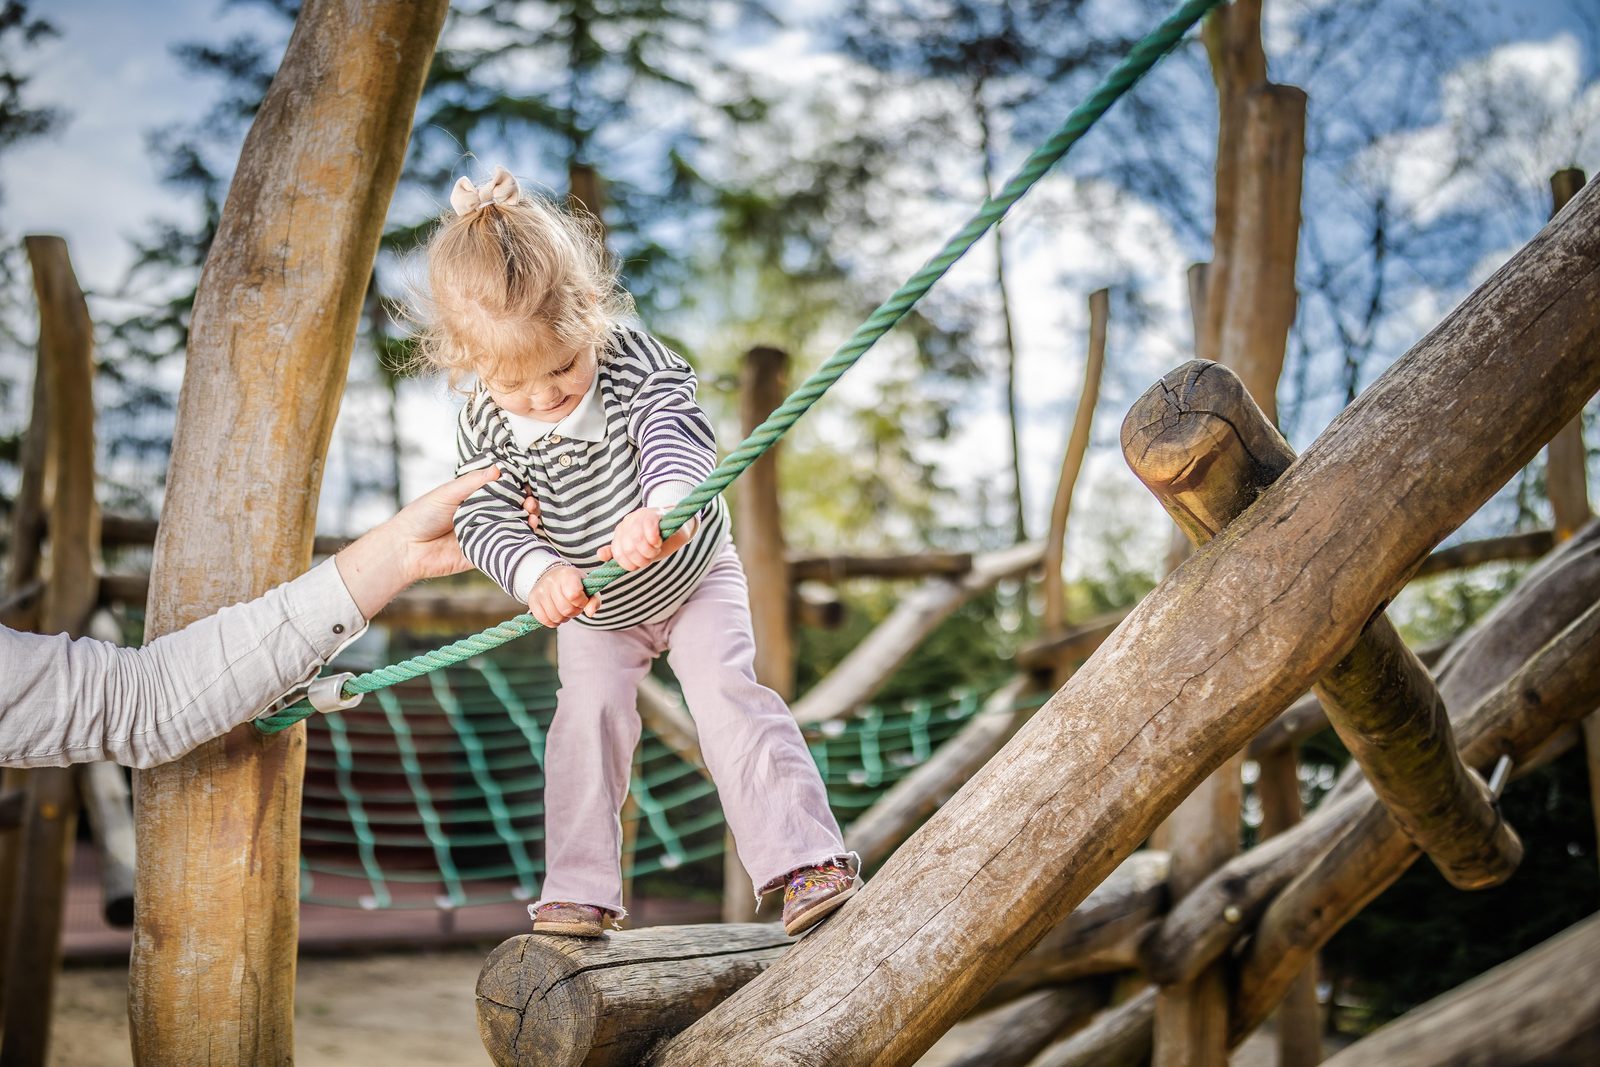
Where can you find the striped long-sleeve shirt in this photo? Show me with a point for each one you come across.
(637, 439)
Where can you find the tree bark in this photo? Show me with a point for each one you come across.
(1100, 935)
(1055, 600)
(212, 977)
(44, 840)
(871, 663)
(1278, 596)
(1199, 443)
(561, 1001)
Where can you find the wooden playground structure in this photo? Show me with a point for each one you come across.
(1065, 882)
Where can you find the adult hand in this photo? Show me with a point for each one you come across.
(418, 542)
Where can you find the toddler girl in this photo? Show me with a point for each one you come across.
(600, 422)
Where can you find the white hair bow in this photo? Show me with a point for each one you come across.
(501, 188)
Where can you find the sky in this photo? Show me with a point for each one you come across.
(95, 183)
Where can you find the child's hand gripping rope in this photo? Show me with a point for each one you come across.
(638, 542)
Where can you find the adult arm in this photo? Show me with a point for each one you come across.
(64, 701)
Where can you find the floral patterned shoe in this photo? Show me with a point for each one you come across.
(811, 894)
(572, 920)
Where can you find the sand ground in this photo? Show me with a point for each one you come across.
(410, 1010)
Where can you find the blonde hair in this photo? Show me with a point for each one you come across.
(513, 284)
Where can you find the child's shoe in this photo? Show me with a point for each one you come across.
(573, 920)
(811, 894)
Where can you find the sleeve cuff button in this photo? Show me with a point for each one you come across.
(338, 627)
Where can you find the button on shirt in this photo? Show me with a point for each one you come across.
(636, 439)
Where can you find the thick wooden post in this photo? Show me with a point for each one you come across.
(44, 843)
(1277, 597)
(758, 532)
(212, 977)
(1055, 605)
(1199, 443)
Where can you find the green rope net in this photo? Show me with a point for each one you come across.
(1123, 77)
(430, 796)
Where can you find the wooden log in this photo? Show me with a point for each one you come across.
(1055, 600)
(1069, 646)
(1530, 544)
(1550, 597)
(835, 568)
(274, 321)
(758, 531)
(1543, 1007)
(561, 1001)
(907, 803)
(1011, 1035)
(818, 605)
(1299, 1017)
(44, 846)
(1118, 1037)
(131, 531)
(1100, 935)
(27, 511)
(1076, 643)
(1278, 595)
(1567, 461)
(1198, 428)
(109, 805)
(871, 663)
(1205, 924)
(1554, 689)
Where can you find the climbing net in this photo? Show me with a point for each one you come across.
(430, 795)
(1143, 56)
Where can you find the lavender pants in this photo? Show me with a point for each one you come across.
(771, 793)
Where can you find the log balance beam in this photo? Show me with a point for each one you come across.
(1204, 449)
(1208, 659)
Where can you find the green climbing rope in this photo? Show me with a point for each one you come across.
(1123, 77)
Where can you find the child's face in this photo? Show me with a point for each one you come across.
(552, 393)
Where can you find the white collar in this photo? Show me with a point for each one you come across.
(586, 422)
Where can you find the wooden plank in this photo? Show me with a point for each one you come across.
(1055, 600)
(873, 662)
(44, 845)
(563, 1001)
(132, 531)
(1198, 427)
(1278, 596)
(1541, 1007)
(274, 321)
